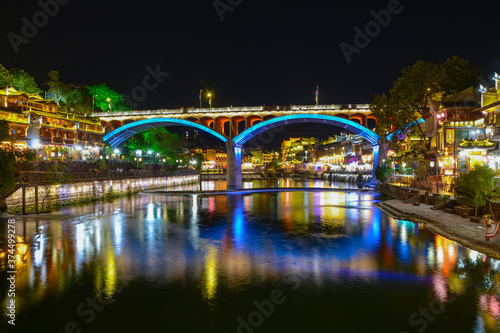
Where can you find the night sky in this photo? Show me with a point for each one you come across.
(262, 52)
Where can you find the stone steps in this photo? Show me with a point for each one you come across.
(392, 212)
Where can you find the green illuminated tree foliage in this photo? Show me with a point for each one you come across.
(21, 80)
(5, 77)
(159, 140)
(18, 79)
(79, 100)
(57, 90)
(71, 98)
(107, 99)
(383, 172)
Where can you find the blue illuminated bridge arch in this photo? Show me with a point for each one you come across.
(352, 126)
(116, 137)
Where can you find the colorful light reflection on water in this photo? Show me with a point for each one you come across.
(194, 262)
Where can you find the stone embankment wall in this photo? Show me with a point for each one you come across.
(92, 190)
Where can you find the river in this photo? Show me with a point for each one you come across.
(289, 261)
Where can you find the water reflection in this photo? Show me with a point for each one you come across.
(221, 249)
(210, 276)
(220, 185)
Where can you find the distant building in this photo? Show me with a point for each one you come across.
(299, 149)
(15, 107)
(216, 158)
(346, 152)
(268, 156)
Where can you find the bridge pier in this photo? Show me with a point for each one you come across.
(382, 151)
(234, 178)
(379, 156)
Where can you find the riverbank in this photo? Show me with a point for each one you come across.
(459, 229)
(18, 211)
(32, 193)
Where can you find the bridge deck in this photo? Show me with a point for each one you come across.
(363, 108)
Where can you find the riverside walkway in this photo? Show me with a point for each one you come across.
(451, 226)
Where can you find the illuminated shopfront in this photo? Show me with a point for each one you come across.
(332, 161)
(469, 159)
(351, 163)
(473, 153)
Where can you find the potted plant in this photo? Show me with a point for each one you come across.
(476, 189)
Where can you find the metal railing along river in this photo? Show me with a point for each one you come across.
(38, 177)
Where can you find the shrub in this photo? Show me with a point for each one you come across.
(476, 188)
(382, 173)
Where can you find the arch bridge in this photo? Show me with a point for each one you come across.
(231, 121)
(257, 122)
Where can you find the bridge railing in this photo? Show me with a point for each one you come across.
(138, 112)
(330, 107)
(234, 109)
(39, 178)
(227, 109)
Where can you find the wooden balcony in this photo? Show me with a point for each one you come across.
(496, 134)
(58, 140)
(45, 140)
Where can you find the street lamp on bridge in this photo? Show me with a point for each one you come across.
(210, 100)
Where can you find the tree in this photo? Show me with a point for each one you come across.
(160, 141)
(385, 113)
(5, 77)
(21, 80)
(274, 165)
(4, 131)
(455, 75)
(421, 168)
(57, 90)
(79, 100)
(198, 158)
(8, 164)
(477, 188)
(420, 85)
(383, 172)
(26, 155)
(7, 177)
(107, 99)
